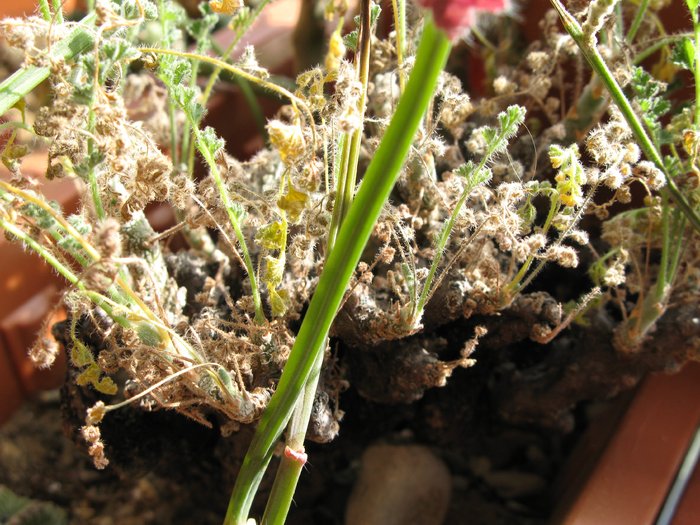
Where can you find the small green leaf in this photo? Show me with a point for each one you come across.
(80, 355)
(683, 54)
(148, 334)
(272, 236)
(293, 203)
(279, 302)
(211, 141)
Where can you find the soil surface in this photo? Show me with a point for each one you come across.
(168, 470)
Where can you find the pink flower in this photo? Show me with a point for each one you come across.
(456, 16)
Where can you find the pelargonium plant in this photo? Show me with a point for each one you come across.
(385, 204)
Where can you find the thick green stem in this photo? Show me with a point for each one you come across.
(592, 55)
(374, 191)
(294, 458)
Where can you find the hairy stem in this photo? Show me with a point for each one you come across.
(594, 58)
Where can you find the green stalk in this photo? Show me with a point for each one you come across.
(44, 10)
(58, 10)
(637, 22)
(171, 104)
(214, 76)
(374, 191)
(24, 80)
(91, 175)
(356, 138)
(293, 460)
(661, 42)
(696, 72)
(592, 55)
(399, 8)
(350, 151)
(514, 286)
(418, 307)
(233, 219)
(63, 270)
(342, 152)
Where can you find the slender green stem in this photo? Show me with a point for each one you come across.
(353, 236)
(658, 44)
(58, 10)
(92, 175)
(514, 285)
(356, 138)
(214, 76)
(637, 22)
(350, 152)
(696, 72)
(296, 102)
(342, 152)
(253, 105)
(233, 219)
(596, 61)
(442, 239)
(23, 81)
(62, 269)
(172, 118)
(399, 8)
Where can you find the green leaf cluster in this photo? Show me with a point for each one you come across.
(350, 40)
(649, 95)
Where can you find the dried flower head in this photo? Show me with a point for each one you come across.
(96, 448)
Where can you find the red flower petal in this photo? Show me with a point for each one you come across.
(456, 16)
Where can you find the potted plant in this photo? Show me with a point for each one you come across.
(564, 257)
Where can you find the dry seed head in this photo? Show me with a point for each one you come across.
(536, 241)
(91, 434)
(613, 178)
(615, 273)
(107, 238)
(95, 414)
(537, 61)
(632, 153)
(565, 256)
(579, 237)
(44, 351)
(504, 86)
(476, 144)
(623, 195)
(648, 172)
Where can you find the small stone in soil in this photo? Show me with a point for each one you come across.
(512, 484)
(399, 485)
